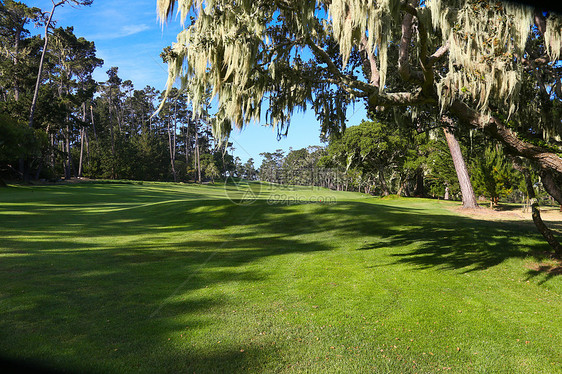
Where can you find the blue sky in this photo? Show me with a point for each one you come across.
(128, 35)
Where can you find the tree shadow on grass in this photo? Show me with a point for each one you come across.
(116, 285)
(455, 243)
(80, 294)
(462, 243)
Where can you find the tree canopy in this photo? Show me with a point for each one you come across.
(488, 65)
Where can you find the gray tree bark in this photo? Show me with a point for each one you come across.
(468, 197)
(82, 140)
(197, 156)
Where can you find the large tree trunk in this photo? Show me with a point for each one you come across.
(87, 146)
(382, 180)
(22, 170)
(402, 188)
(552, 183)
(468, 198)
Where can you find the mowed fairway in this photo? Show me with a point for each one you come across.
(166, 278)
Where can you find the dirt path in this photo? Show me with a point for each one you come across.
(550, 215)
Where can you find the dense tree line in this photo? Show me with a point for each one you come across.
(379, 158)
(84, 128)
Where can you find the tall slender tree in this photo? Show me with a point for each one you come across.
(14, 18)
(46, 41)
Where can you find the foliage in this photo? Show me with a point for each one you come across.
(17, 141)
(442, 172)
(212, 171)
(88, 128)
(378, 154)
(270, 169)
(493, 175)
(248, 170)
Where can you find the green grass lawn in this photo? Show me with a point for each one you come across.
(168, 278)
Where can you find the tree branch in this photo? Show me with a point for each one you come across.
(404, 68)
(399, 99)
(540, 21)
(341, 79)
(438, 54)
(547, 160)
(370, 63)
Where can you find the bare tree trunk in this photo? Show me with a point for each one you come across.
(119, 116)
(52, 151)
(18, 35)
(82, 140)
(468, 197)
(197, 156)
(22, 169)
(41, 61)
(87, 146)
(81, 151)
(171, 150)
(187, 145)
(67, 172)
(93, 123)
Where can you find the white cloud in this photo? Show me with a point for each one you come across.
(124, 31)
(133, 29)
